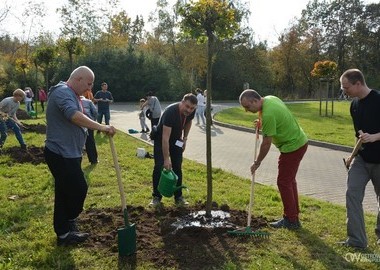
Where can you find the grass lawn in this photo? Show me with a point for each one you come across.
(337, 128)
(27, 239)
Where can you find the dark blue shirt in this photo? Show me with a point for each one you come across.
(103, 95)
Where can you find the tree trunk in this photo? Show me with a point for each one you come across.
(208, 125)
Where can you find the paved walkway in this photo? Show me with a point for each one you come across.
(321, 174)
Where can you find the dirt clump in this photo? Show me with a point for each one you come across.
(32, 154)
(168, 246)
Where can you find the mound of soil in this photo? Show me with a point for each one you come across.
(38, 128)
(168, 246)
(33, 154)
(22, 115)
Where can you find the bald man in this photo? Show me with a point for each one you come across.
(65, 138)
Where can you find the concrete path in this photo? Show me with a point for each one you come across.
(321, 174)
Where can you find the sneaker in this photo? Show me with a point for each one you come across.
(72, 239)
(346, 244)
(155, 201)
(73, 226)
(285, 223)
(180, 201)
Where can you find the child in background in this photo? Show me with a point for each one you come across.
(144, 126)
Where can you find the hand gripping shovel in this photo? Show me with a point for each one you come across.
(127, 235)
(247, 231)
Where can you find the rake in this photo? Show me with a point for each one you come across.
(247, 231)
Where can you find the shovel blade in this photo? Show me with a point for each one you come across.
(127, 240)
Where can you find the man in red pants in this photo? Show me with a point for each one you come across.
(280, 128)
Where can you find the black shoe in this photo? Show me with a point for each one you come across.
(73, 227)
(180, 201)
(72, 239)
(147, 130)
(155, 202)
(142, 131)
(285, 223)
(347, 244)
(23, 146)
(94, 162)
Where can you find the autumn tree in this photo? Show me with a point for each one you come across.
(206, 21)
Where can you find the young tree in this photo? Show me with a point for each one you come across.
(206, 21)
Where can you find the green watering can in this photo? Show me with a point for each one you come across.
(167, 185)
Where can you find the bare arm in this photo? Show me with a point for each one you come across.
(186, 131)
(82, 120)
(166, 131)
(264, 149)
(366, 137)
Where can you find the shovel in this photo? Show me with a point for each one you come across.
(126, 235)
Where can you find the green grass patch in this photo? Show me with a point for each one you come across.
(27, 239)
(336, 128)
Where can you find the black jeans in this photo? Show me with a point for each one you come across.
(70, 189)
(91, 151)
(153, 122)
(176, 158)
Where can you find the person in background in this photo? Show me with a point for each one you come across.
(42, 97)
(28, 99)
(365, 166)
(200, 107)
(8, 118)
(172, 131)
(88, 94)
(66, 133)
(280, 128)
(103, 98)
(144, 126)
(89, 109)
(153, 104)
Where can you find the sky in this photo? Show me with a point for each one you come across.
(268, 17)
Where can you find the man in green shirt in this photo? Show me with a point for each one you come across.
(280, 128)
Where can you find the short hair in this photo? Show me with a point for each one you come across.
(19, 92)
(149, 94)
(249, 94)
(103, 83)
(353, 76)
(142, 100)
(190, 97)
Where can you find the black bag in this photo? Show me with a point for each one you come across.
(153, 133)
(148, 114)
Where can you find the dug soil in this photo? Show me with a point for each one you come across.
(164, 244)
(167, 237)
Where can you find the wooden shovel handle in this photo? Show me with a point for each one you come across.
(353, 153)
(118, 173)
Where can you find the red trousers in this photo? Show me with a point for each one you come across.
(288, 164)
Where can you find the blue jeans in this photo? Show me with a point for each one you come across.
(106, 114)
(9, 123)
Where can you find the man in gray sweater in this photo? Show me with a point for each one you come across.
(65, 138)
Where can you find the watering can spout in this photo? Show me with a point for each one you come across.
(179, 187)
